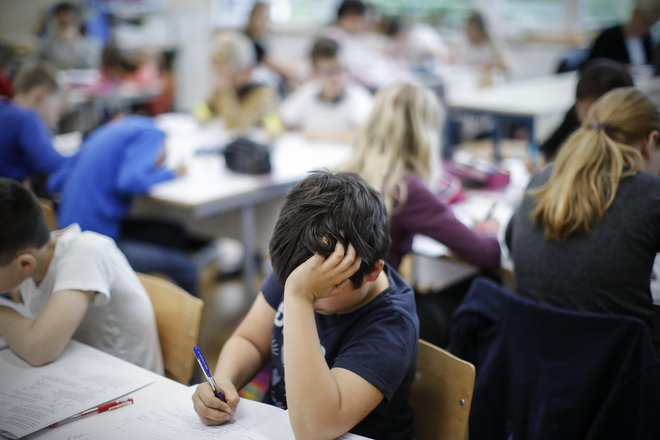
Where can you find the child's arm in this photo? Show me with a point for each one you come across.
(37, 145)
(322, 402)
(244, 353)
(139, 169)
(40, 341)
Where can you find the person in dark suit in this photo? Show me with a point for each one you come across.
(630, 42)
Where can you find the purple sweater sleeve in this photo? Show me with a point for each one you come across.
(424, 213)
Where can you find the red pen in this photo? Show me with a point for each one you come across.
(99, 409)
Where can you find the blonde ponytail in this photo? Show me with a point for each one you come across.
(592, 162)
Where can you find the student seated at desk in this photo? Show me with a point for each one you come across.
(65, 46)
(588, 229)
(597, 78)
(26, 146)
(236, 99)
(120, 160)
(396, 153)
(328, 107)
(630, 42)
(72, 284)
(338, 322)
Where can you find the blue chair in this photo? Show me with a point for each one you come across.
(548, 373)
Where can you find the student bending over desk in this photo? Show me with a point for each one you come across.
(338, 322)
(588, 230)
(73, 285)
(26, 146)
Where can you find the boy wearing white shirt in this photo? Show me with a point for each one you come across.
(73, 284)
(327, 108)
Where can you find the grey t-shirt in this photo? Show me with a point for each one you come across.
(607, 270)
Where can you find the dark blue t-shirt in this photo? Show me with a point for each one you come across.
(378, 342)
(25, 143)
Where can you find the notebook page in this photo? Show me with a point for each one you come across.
(83, 377)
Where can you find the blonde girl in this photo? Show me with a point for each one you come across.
(587, 233)
(396, 152)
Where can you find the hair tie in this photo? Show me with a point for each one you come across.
(598, 126)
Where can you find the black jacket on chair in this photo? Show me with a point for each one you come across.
(548, 373)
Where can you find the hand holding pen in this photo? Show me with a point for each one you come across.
(207, 373)
(210, 403)
(488, 226)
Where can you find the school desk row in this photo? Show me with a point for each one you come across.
(83, 378)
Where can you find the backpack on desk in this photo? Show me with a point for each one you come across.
(243, 155)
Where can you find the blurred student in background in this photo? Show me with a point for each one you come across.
(397, 152)
(478, 49)
(597, 78)
(26, 147)
(277, 73)
(329, 107)
(236, 99)
(630, 42)
(588, 229)
(64, 45)
(118, 161)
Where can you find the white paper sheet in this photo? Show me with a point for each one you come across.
(81, 378)
(176, 419)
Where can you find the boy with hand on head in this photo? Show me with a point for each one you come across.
(25, 139)
(327, 108)
(339, 324)
(73, 285)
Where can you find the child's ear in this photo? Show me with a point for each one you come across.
(650, 145)
(27, 263)
(375, 272)
(39, 94)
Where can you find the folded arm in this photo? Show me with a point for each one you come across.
(40, 341)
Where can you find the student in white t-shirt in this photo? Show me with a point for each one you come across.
(328, 107)
(72, 284)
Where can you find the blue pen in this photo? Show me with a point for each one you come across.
(205, 368)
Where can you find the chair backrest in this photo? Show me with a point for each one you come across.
(546, 373)
(49, 213)
(178, 317)
(441, 395)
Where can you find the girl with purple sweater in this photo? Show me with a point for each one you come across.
(396, 152)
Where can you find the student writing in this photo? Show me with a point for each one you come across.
(338, 322)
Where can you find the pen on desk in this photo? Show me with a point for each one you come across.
(491, 211)
(110, 406)
(207, 373)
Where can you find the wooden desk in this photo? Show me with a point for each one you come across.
(214, 201)
(525, 102)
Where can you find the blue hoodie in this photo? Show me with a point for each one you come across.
(116, 162)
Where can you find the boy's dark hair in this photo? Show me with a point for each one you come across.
(29, 77)
(324, 48)
(351, 7)
(321, 210)
(22, 221)
(65, 8)
(600, 76)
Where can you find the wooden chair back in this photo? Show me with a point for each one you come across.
(49, 213)
(441, 395)
(178, 318)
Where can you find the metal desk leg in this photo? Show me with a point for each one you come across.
(248, 232)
